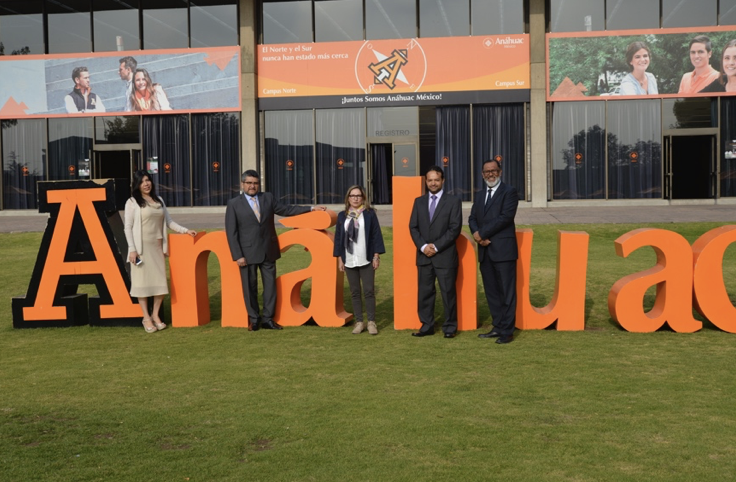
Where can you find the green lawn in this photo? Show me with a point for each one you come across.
(319, 404)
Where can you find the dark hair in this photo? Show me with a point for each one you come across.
(633, 48)
(366, 201)
(130, 62)
(77, 72)
(250, 173)
(150, 88)
(436, 169)
(723, 77)
(702, 39)
(498, 163)
(136, 188)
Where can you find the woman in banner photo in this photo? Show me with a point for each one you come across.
(358, 246)
(146, 95)
(146, 219)
(638, 81)
(726, 82)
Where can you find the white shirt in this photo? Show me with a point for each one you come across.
(359, 257)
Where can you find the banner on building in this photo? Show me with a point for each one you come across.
(164, 81)
(376, 73)
(681, 62)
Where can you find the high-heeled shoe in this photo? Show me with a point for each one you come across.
(160, 325)
(150, 328)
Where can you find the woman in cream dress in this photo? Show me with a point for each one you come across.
(146, 220)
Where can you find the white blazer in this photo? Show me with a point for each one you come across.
(134, 229)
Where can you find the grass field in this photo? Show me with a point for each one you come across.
(319, 404)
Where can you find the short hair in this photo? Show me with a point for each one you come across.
(436, 169)
(250, 173)
(77, 72)
(633, 48)
(130, 62)
(702, 39)
(498, 163)
(366, 201)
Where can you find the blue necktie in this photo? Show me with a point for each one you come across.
(432, 206)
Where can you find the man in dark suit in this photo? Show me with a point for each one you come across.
(492, 224)
(435, 223)
(251, 235)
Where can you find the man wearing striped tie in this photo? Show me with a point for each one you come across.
(254, 245)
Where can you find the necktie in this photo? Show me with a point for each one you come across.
(432, 206)
(254, 205)
(489, 195)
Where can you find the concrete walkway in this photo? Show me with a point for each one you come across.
(214, 218)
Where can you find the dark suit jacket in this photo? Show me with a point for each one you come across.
(373, 236)
(496, 222)
(256, 241)
(442, 231)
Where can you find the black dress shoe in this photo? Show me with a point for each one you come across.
(490, 334)
(503, 339)
(423, 333)
(254, 326)
(449, 335)
(271, 325)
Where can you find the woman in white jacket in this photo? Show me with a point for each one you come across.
(146, 220)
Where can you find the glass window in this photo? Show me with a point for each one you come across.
(24, 161)
(117, 130)
(727, 12)
(393, 121)
(338, 20)
(340, 153)
(689, 13)
(166, 146)
(287, 22)
(728, 147)
(690, 113)
(444, 18)
(290, 155)
(21, 28)
(576, 16)
(215, 158)
(70, 146)
(69, 26)
(497, 17)
(634, 149)
(579, 150)
(390, 19)
(165, 25)
(632, 14)
(214, 23)
(116, 25)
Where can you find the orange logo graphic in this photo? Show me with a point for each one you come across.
(388, 69)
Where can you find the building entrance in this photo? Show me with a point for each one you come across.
(691, 167)
(115, 164)
(386, 160)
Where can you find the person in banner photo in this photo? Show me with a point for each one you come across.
(638, 81)
(704, 74)
(254, 245)
(358, 246)
(726, 81)
(146, 220)
(146, 95)
(125, 70)
(81, 98)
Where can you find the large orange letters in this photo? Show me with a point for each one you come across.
(711, 299)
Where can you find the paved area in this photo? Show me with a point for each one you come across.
(214, 218)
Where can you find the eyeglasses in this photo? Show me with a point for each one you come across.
(356, 195)
(495, 172)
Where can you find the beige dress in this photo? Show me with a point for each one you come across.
(149, 278)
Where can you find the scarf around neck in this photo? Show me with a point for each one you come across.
(352, 229)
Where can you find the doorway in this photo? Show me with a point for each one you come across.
(385, 161)
(116, 164)
(691, 167)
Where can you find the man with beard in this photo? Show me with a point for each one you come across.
(492, 224)
(81, 98)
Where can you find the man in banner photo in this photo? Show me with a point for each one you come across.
(701, 50)
(81, 98)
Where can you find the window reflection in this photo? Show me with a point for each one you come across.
(727, 12)
(689, 113)
(443, 18)
(116, 25)
(165, 25)
(338, 20)
(290, 155)
(24, 161)
(390, 19)
(70, 145)
(689, 13)
(340, 152)
(69, 26)
(117, 130)
(287, 22)
(214, 23)
(21, 28)
(497, 17)
(632, 14)
(576, 16)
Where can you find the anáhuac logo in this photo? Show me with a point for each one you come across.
(390, 65)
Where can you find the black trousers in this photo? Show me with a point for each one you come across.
(364, 275)
(446, 278)
(249, 280)
(499, 284)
